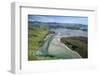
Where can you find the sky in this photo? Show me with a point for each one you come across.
(59, 19)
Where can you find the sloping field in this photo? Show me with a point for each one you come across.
(78, 44)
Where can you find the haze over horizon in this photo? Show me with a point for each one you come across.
(59, 19)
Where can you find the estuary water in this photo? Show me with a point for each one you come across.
(70, 32)
(54, 47)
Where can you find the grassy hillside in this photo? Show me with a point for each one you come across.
(36, 35)
(78, 44)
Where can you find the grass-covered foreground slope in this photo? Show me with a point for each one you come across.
(78, 44)
(36, 35)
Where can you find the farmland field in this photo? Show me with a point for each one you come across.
(78, 44)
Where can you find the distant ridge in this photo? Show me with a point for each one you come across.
(55, 23)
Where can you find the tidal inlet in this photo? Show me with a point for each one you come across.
(57, 37)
